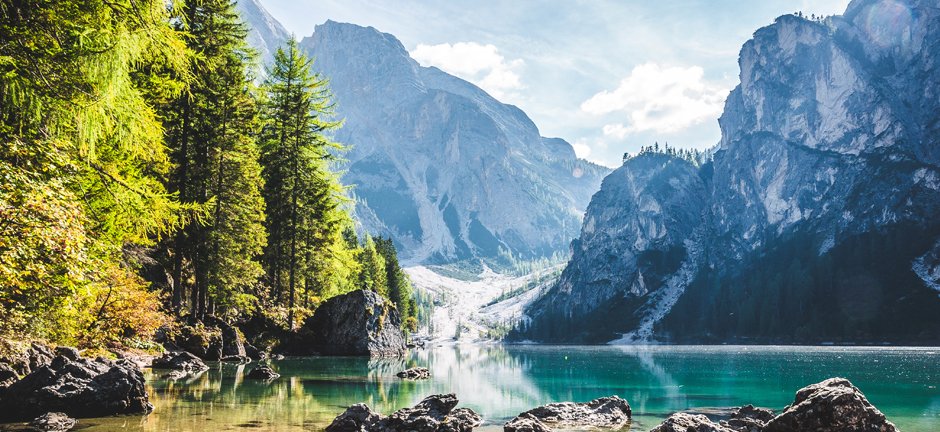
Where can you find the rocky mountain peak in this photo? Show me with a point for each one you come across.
(823, 192)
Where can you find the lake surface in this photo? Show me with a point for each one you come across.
(501, 381)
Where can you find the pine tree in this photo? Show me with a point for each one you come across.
(372, 275)
(400, 291)
(210, 129)
(306, 218)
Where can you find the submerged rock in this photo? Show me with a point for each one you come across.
(433, 414)
(78, 388)
(415, 373)
(356, 323)
(606, 412)
(262, 373)
(52, 422)
(181, 361)
(829, 406)
(684, 422)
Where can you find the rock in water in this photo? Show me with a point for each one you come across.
(356, 323)
(263, 373)
(433, 414)
(52, 422)
(606, 412)
(749, 419)
(356, 418)
(78, 388)
(415, 373)
(181, 361)
(830, 406)
(684, 422)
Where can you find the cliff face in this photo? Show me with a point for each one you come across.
(817, 215)
(446, 170)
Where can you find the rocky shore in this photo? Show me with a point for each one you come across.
(833, 405)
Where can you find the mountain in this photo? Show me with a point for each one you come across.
(814, 221)
(265, 34)
(442, 167)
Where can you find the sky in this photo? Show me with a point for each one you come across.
(607, 76)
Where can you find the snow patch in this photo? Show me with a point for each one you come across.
(464, 303)
(662, 300)
(927, 267)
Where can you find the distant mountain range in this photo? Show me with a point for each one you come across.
(436, 163)
(817, 219)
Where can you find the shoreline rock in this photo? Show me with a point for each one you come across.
(358, 323)
(77, 387)
(685, 422)
(605, 412)
(435, 413)
(52, 422)
(829, 406)
(179, 361)
(833, 405)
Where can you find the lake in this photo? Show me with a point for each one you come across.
(500, 381)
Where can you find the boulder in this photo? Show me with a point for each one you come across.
(357, 323)
(253, 353)
(233, 343)
(181, 361)
(605, 412)
(415, 373)
(8, 376)
(357, 418)
(526, 423)
(67, 352)
(52, 422)
(832, 405)
(749, 419)
(23, 358)
(78, 388)
(262, 373)
(433, 414)
(685, 422)
(203, 341)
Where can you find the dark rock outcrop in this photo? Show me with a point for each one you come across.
(262, 373)
(7, 376)
(78, 388)
(829, 406)
(684, 422)
(52, 422)
(203, 341)
(605, 412)
(433, 414)
(181, 361)
(23, 359)
(749, 419)
(415, 373)
(233, 342)
(356, 323)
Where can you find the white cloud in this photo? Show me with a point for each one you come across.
(659, 99)
(480, 64)
(581, 148)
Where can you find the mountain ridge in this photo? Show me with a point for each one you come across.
(826, 171)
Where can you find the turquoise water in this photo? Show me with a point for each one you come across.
(501, 381)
